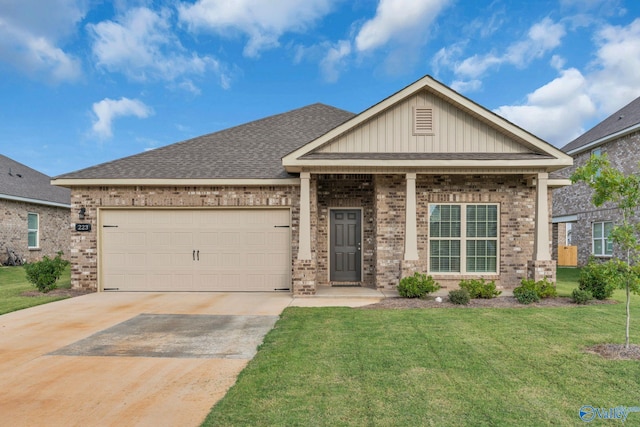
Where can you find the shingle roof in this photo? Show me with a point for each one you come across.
(250, 151)
(18, 180)
(626, 117)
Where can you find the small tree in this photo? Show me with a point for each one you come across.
(611, 185)
(45, 273)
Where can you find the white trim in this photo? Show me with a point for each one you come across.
(337, 208)
(555, 183)
(167, 182)
(564, 218)
(604, 139)
(36, 230)
(304, 234)
(34, 201)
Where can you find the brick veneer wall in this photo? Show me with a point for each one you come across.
(624, 154)
(346, 191)
(517, 224)
(84, 245)
(54, 230)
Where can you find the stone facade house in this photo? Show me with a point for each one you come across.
(34, 215)
(573, 212)
(425, 180)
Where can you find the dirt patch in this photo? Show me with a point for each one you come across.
(499, 302)
(616, 351)
(57, 293)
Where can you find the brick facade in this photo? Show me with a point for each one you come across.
(624, 154)
(84, 245)
(54, 230)
(381, 198)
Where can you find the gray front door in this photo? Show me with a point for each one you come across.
(345, 250)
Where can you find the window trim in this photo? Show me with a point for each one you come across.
(33, 230)
(463, 241)
(604, 239)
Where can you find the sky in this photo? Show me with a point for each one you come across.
(84, 82)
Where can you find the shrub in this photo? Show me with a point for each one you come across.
(580, 296)
(45, 273)
(594, 278)
(543, 288)
(478, 288)
(417, 286)
(459, 296)
(525, 296)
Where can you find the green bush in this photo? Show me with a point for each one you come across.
(595, 279)
(417, 286)
(543, 288)
(581, 296)
(525, 296)
(459, 296)
(479, 288)
(45, 273)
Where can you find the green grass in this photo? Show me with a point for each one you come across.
(13, 283)
(441, 367)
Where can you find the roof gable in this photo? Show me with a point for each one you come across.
(461, 131)
(623, 121)
(20, 182)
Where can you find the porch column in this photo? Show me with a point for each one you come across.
(410, 231)
(541, 245)
(304, 244)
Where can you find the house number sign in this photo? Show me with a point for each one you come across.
(83, 227)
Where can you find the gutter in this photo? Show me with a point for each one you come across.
(34, 201)
(604, 139)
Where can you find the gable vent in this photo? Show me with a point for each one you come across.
(423, 121)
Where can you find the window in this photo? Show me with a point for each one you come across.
(463, 243)
(602, 245)
(33, 234)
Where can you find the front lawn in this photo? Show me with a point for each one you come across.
(13, 283)
(444, 367)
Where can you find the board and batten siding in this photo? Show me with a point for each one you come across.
(456, 131)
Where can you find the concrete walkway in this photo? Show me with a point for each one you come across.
(44, 381)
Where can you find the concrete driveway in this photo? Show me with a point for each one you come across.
(134, 359)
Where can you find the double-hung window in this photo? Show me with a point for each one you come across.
(602, 244)
(463, 238)
(33, 230)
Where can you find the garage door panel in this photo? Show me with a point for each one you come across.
(196, 250)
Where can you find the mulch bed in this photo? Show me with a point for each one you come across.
(616, 351)
(57, 293)
(499, 302)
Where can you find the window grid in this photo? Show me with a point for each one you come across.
(33, 235)
(602, 244)
(463, 243)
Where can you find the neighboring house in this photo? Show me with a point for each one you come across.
(425, 180)
(34, 215)
(574, 214)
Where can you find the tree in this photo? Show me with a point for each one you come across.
(623, 191)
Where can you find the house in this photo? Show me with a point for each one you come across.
(425, 180)
(574, 215)
(34, 214)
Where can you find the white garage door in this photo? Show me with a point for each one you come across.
(195, 250)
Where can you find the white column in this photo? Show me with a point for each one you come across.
(541, 245)
(304, 232)
(411, 230)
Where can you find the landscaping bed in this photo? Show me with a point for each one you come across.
(499, 302)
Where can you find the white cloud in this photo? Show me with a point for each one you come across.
(264, 22)
(554, 112)
(616, 80)
(107, 110)
(466, 86)
(31, 37)
(334, 61)
(398, 19)
(541, 38)
(141, 45)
